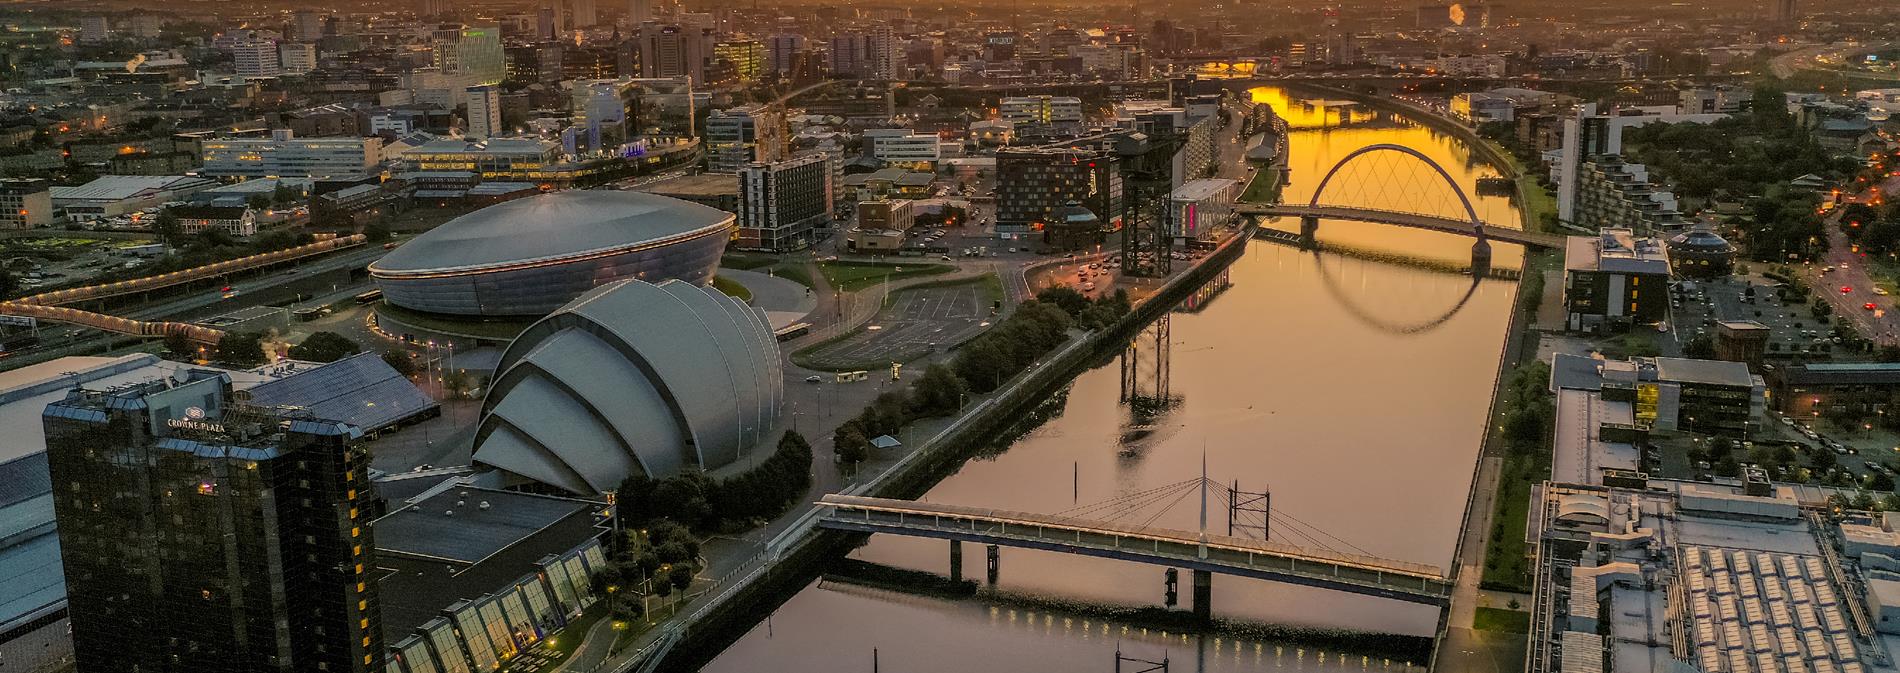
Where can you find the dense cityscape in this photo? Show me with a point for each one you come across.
(633, 336)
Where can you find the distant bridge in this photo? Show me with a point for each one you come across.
(1203, 554)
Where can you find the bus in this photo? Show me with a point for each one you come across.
(792, 331)
(369, 297)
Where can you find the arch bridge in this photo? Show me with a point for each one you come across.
(1311, 212)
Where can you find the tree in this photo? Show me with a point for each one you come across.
(1699, 348)
(325, 347)
(938, 393)
(685, 498)
(376, 232)
(1880, 481)
(850, 444)
(681, 576)
(241, 349)
(401, 361)
(458, 383)
(167, 227)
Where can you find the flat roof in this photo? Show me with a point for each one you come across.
(473, 532)
(703, 184)
(1713, 372)
(25, 392)
(361, 390)
(122, 187)
(1616, 251)
(1195, 190)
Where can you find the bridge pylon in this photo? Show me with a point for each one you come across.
(1309, 232)
(1480, 256)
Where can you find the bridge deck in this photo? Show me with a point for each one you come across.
(1227, 555)
(1403, 219)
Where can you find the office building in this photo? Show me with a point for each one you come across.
(781, 52)
(200, 533)
(1032, 182)
(297, 58)
(1710, 397)
(743, 135)
(745, 57)
(673, 51)
(484, 113)
(472, 53)
(283, 155)
(306, 25)
(25, 204)
(256, 58)
(1046, 116)
(781, 202)
(850, 56)
(903, 148)
(237, 220)
(1857, 392)
(881, 225)
(1615, 280)
(94, 28)
(1198, 207)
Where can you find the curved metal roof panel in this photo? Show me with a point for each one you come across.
(551, 227)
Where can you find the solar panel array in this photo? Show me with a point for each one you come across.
(1761, 612)
(361, 390)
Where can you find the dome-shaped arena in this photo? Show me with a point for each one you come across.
(529, 256)
(632, 378)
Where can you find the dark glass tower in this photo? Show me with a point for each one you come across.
(202, 534)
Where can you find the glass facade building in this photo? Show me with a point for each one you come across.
(201, 534)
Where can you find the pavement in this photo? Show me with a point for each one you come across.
(785, 302)
(913, 322)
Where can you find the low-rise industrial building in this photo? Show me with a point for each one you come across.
(115, 195)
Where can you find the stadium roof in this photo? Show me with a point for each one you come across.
(360, 390)
(550, 227)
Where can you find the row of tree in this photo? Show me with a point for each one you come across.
(698, 501)
(980, 366)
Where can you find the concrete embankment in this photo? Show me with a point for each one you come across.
(805, 550)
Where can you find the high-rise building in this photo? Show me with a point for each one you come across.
(672, 51)
(547, 22)
(198, 533)
(886, 54)
(147, 25)
(584, 14)
(781, 202)
(438, 9)
(472, 51)
(1785, 11)
(1032, 182)
(781, 51)
(306, 25)
(639, 11)
(746, 57)
(484, 112)
(297, 58)
(257, 58)
(93, 29)
(743, 135)
(851, 55)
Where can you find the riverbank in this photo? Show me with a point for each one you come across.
(796, 557)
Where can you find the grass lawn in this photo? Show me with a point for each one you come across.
(1500, 619)
(991, 286)
(853, 276)
(1506, 563)
(1264, 187)
(732, 288)
(794, 272)
(1635, 343)
(745, 262)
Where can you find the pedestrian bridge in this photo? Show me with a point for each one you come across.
(1402, 219)
(1366, 575)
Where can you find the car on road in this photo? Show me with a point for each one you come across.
(1846, 290)
(1869, 306)
(1881, 291)
(814, 379)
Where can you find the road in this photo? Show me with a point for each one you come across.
(1882, 324)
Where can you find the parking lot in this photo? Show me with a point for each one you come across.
(1698, 305)
(910, 325)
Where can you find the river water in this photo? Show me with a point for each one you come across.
(1354, 389)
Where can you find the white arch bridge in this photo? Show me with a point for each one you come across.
(1313, 211)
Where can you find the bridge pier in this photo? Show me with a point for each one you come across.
(956, 560)
(1309, 232)
(995, 563)
(1203, 595)
(1480, 257)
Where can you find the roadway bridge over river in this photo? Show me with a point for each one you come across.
(1204, 554)
(1401, 219)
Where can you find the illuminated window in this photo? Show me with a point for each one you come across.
(356, 531)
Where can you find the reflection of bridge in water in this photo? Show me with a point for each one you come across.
(1204, 554)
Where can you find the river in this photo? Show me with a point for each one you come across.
(1355, 390)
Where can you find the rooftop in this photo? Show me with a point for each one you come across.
(361, 390)
(703, 184)
(550, 227)
(1713, 372)
(121, 187)
(1616, 251)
